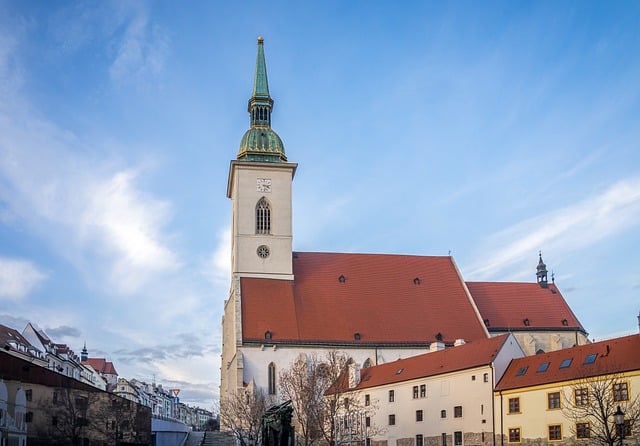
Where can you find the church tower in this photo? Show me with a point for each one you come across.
(260, 188)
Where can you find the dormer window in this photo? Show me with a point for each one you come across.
(356, 336)
(526, 322)
(267, 335)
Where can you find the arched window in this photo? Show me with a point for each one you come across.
(272, 379)
(263, 217)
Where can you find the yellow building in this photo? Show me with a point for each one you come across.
(572, 396)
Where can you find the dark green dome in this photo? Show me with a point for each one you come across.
(261, 144)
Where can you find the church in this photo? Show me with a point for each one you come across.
(376, 308)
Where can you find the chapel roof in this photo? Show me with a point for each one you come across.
(362, 299)
(522, 306)
(617, 355)
(475, 354)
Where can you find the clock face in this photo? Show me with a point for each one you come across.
(263, 185)
(263, 251)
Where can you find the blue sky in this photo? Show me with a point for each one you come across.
(492, 130)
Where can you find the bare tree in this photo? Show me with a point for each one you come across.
(241, 414)
(591, 404)
(322, 391)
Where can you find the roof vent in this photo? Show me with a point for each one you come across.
(342, 279)
(565, 322)
(267, 334)
(356, 336)
(399, 371)
(416, 281)
(438, 336)
(486, 323)
(526, 322)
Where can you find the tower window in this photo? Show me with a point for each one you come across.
(272, 379)
(263, 217)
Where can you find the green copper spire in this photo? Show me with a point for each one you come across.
(260, 142)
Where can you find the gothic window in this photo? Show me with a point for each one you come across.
(272, 379)
(263, 217)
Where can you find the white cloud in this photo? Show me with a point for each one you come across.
(18, 278)
(573, 227)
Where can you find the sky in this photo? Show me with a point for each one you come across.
(488, 130)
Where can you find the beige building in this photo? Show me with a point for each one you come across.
(571, 396)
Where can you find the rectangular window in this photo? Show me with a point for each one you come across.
(367, 421)
(54, 398)
(54, 421)
(415, 392)
(444, 439)
(457, 412)
(28, 394)
(553, 400)
(522, 371)
(542, 367)
(514, 405)
(555, 432)
(392, 396)
(457, 438)
(581, 396)
(443, 414)
(485, 377)
(367, 400)
(591, 358)
(419, 440)
(620, 392)
(418, 415)
(392, 419)
(514, 435)
(582, 430)
(566, 363)
(423, 390)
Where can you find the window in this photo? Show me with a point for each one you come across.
(392, 419)
(419, 440)
(514, 435)
(415, 392)
(367, 399)
(473, 377)
(263, 217)
(28, 394)
(485, 377)
(620, 392)
(54, 421)
(457, 438)
(443, 414)
(566, 363)
(272, 378)
(582, 430)
(392, 396)
(514, 405)
(367, 421)
(591, 358)
(555, 432)
(581, 396)
(457, 412)
(423, 390)
(28, 417)
(419, 415)
(444, 439)
(542, 367)
(553, 400)
(522, 371)
(81, 403)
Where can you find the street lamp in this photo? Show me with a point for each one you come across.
(618, 419)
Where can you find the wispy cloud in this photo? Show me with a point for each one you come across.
(18, 278)
(570, 228)
(63, 331)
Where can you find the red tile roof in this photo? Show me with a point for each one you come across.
(506, 306)
(474, 354)
(387, 299)
(101, 365)
(613, 356)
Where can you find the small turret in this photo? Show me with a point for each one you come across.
(541, 272)
(84, 354)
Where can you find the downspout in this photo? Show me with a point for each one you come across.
(501, 421)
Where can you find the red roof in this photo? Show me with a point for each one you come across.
(101, 365)
(385, 299)
(474, 354)
(611, 356)
(510, 305)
